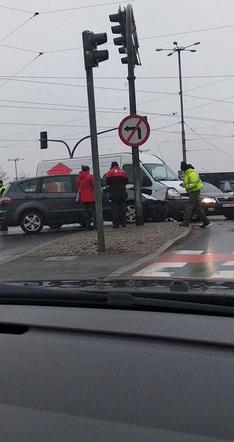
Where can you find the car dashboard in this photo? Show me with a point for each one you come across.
(93, 374)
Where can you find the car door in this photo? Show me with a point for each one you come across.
(106, 202)
(58, 196)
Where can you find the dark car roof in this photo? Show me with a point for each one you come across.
(40, 176)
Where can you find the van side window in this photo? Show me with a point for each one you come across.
(29, 186)
(128, 168)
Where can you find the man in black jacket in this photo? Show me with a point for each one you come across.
(117, 179)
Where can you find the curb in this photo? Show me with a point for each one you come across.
(133, 266)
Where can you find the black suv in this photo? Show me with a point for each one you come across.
(50, 200)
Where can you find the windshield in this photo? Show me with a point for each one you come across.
(90, 168)
(160, 172)
(209, 188)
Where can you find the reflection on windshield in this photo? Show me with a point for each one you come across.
(209, 188)
(161, 172)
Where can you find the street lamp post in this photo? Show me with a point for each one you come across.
(178, 49)
(15, 160)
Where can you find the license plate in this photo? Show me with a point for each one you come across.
(228, 204)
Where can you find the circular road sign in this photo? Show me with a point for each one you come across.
(134, 130)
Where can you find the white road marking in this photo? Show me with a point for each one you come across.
(157, 269)
(223, 274)
(60, 258)
(228, 263)
(188, 252)
(148, 272)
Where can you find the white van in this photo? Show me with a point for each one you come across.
(160, 174)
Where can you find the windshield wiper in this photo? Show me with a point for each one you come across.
(176, 302)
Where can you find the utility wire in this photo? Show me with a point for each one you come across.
(21, 69)
(16, 9)
(82, 7)
(18, 49)
(18, 27)
(208, 142)
(213, 28)
(211, 102)
(76, 77)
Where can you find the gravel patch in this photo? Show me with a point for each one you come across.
(141, 240)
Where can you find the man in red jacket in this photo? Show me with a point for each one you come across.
(85, 187)
(117, 179)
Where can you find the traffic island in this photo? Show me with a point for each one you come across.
(75, 256)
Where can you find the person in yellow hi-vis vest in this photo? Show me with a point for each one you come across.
(192, 184)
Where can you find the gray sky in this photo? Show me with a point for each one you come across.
(47, 79)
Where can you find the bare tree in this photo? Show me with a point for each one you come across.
(3, 174)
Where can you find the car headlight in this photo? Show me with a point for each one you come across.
(172, 193)
(208, 200)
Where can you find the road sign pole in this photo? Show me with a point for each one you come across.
(95, 159)
(133, 111)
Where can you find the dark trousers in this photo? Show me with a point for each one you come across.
(118, 207)
(194, 203)
(90, 214)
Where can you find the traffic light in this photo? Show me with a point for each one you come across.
(92, 56)
(43, 140)
(120, 18)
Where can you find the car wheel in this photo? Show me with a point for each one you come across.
(130, 213)
(31, 221)
(55, 226)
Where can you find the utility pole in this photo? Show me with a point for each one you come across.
(92, 57)
(129, 46)
(16, 161)
(178, 49)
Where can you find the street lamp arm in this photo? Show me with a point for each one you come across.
(63, 142)
(88, 136)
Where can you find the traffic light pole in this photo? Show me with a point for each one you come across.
(133, 111)
(95, 159)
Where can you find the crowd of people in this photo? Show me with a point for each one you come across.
(117, 179)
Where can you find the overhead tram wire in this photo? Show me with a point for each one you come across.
(54, 11)
(21, 69)
(26, 11)
(212, 28)
(18, 27)
(79, 77)
(209, 143)
(17, 49)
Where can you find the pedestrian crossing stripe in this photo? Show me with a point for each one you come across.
(168, 265)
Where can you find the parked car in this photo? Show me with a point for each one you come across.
(35, 202)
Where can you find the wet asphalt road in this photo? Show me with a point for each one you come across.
(14, 242)
(205, 254)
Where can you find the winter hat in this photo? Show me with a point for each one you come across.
(114, 164)
(183, 165)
